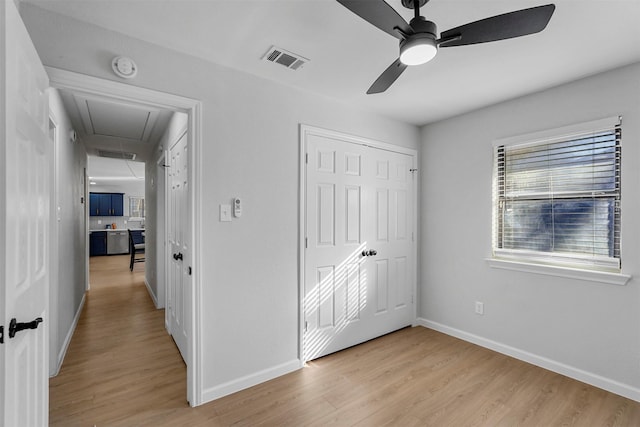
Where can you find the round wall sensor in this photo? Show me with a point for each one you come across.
(124, 67)
(72, 135)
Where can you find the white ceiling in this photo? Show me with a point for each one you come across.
(347, 54)
(115, 174)
(105, 124)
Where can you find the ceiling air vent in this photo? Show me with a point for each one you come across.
(117, 155)
(283, 57)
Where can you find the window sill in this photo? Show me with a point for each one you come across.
(551, 270)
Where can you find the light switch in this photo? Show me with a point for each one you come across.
(225, 213)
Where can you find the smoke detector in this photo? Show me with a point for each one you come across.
(124, 67)
(283, 57)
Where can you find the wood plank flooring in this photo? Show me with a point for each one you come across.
(122, 369)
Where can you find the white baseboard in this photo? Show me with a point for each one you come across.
(153, 297)
(613, 386)
(249, 380)
(67, 340)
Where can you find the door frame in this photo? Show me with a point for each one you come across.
(161, 231)
(305, 132)
(53, 362)
(67, 80)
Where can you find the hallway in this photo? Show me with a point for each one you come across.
(121, 364)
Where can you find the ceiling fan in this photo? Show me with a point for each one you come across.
(418, 38)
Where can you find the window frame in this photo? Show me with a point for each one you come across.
(137, 199)
(566, 265)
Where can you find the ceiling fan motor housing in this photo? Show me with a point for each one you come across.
(421, 25)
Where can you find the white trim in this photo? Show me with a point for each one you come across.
(67, 339)
(250, 380)
(194, 366)
(151, 294)
(596, 380)
(76, 82)
(305, 132)
(87, 224)
(302, 227)
(195, 382)
(161, 245)
(89, 85)
(551, 135)
(53, 363)
(552, 270)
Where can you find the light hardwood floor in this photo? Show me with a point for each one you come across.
(122, 369)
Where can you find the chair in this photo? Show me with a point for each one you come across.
(136, 246)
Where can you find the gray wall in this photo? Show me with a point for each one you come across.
(250, 149)
(69, 258)
(590, 328)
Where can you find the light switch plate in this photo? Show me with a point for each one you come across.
(225, 213)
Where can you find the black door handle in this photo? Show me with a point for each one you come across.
(177, 256)
(15, 326)
(371, 252)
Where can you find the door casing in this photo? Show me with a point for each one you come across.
(67, 80)
(305, 132)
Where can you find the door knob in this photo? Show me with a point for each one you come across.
(371, 252)
(15, 326)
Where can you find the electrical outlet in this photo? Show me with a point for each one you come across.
(479, 307)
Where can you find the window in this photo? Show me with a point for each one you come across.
(136, 207)
(557, 198)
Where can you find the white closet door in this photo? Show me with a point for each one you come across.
(359, 263)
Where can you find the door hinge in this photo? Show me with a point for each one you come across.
(413, 239)
(1, 334)
(306, 326)
(189, 271)
(306, 157)
(306, 242)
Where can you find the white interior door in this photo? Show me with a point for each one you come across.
(359, 256)
(25, 225)
(179, 301)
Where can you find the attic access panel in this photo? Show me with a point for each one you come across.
(116, 119)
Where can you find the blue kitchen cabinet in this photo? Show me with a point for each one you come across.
(94, 204)
(117, 204)
(98, 243)
(106, 204)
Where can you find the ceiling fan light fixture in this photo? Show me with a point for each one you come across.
(418, 49)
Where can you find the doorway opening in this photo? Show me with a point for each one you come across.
(97, 93)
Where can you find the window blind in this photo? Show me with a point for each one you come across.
(558, 201)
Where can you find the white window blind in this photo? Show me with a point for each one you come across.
(557, 200)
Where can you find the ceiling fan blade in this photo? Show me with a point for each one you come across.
(387, 78)
(378, 13)
(500, 27)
